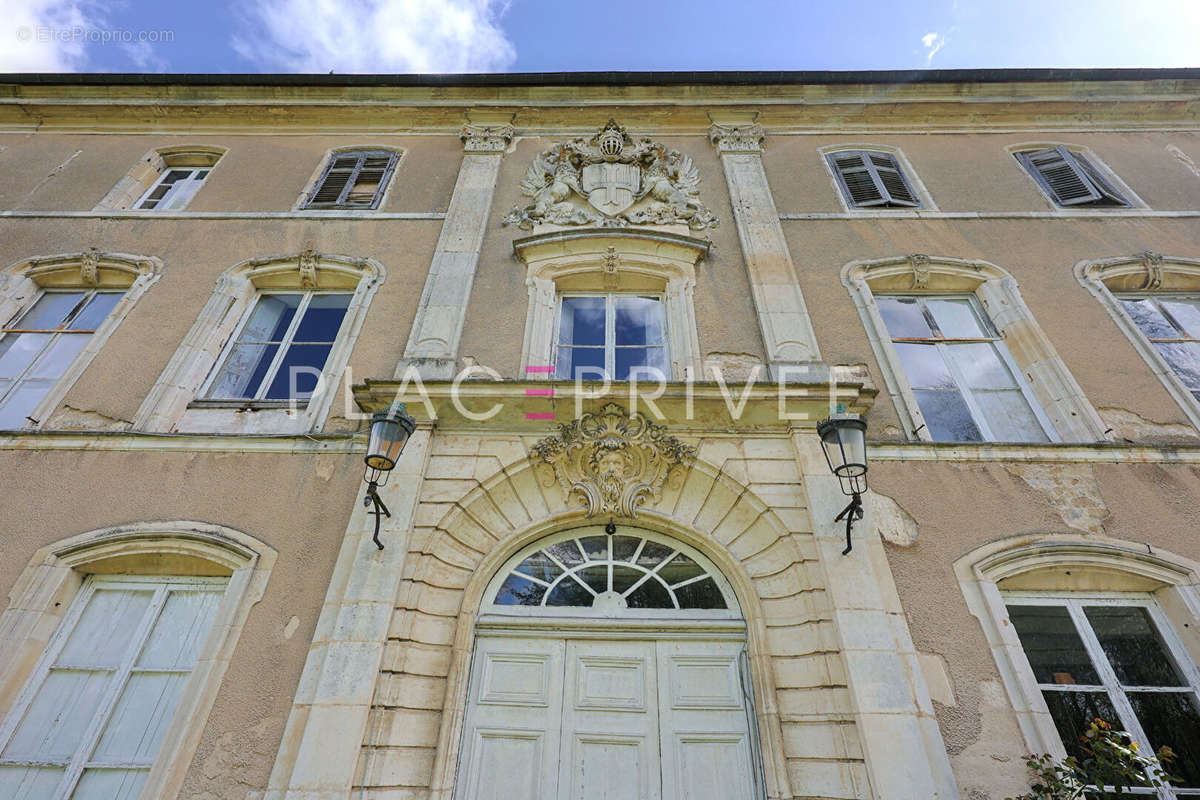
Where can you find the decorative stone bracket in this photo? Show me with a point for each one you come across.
(613, 461)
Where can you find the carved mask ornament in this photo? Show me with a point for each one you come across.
(613, 461)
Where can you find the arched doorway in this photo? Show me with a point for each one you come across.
(609, 664)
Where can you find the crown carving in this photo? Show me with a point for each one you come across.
(612, 461)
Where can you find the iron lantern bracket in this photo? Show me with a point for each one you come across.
(372, 499)
(850, 513)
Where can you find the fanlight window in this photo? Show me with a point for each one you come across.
(626, 569)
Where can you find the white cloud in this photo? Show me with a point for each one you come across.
(43, 35)
(375, 36)
(933, 42)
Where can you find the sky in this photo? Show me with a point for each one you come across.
(399, 36)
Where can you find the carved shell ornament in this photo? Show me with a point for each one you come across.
(611, 181)
(614, 462)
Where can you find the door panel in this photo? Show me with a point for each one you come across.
(610, 722)
(511, 745)
(706, 753)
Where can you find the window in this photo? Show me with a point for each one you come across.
(173, 190)
(612, 335)
(1115, 658)
(1172, 325)
(354, 179)
(1070, 178)
(281, 349)
(91, 719)
(965, 381)
(38, 347)
(165, 179)
(872, 179)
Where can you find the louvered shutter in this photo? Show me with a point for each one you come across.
(337, 178)
(354, 180)
(373, 173)
(1069, 177)
(871, 179)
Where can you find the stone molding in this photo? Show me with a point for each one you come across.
(486, 138)
(613, 461)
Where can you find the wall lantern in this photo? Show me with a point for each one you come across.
(844, 440)
(389, 433)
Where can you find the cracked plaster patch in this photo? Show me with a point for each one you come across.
(1071, 489)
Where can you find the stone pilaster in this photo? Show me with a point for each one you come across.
(437, 329)
(782, 316)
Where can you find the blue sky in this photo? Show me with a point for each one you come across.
(561, 35)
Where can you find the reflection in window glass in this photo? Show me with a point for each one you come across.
(37, 348)
(621, 336)
(173, 189)
(960, 371)
(640, 572)
(1105, 659)
(282, 348)
(1172, 324)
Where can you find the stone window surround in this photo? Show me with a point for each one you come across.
(1131, 197)
(1041, 563)
(333, 153)
(1061, 398)
(170, 404)
(21, 284)
(151, 167)
(607, 260)
(1147, 272)
(910, 174)
(45, 588)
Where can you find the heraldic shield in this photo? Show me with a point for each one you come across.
(611, 188)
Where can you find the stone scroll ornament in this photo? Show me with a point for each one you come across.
(613, 461)
(611, 181)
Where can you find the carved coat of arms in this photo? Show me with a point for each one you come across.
(610, 180)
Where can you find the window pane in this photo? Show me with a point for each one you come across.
(639, 321)
(1184, 358)
(299, 369)
(106, 627)
(679, 569)
(17, 351)
(110, 784)
(49, 312)
(1073, 711)
(955, 318)
(569, 593)
(55, 722)
(243, 371)
(181, 193)
(596, 547)
(582, 321)
(653, 554)
(701, 594)
(924, 366)
(1133, 646)
(322, 318)
(96, 311)
(624, 577)
(567, 552)
(651, 594)
(140, 718)
(571, 360)
(518, 591)
(903, 317)
(28, 783)
(1186, 313)
(1172, 719)
(947, 416)
(272, 315)
(1147, 317)
(59, 355)
(21, 402)
(1052, 645)
(180, 629)
(539, 565)
(651, 360)
(595, 577)
(980, 365)
(624, 547)
(1009, 416)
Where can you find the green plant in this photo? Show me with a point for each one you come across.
(1109, 763)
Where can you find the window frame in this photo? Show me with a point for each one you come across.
(307, 198)
(942, 344)
(176, 188)
(1110, 684)
(610, 345)
(1155, 298)
(132, 189)
(81, 759)
(204, 400)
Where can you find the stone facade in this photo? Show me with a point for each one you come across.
(337, 670)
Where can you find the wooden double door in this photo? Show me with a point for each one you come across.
(594, 718)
